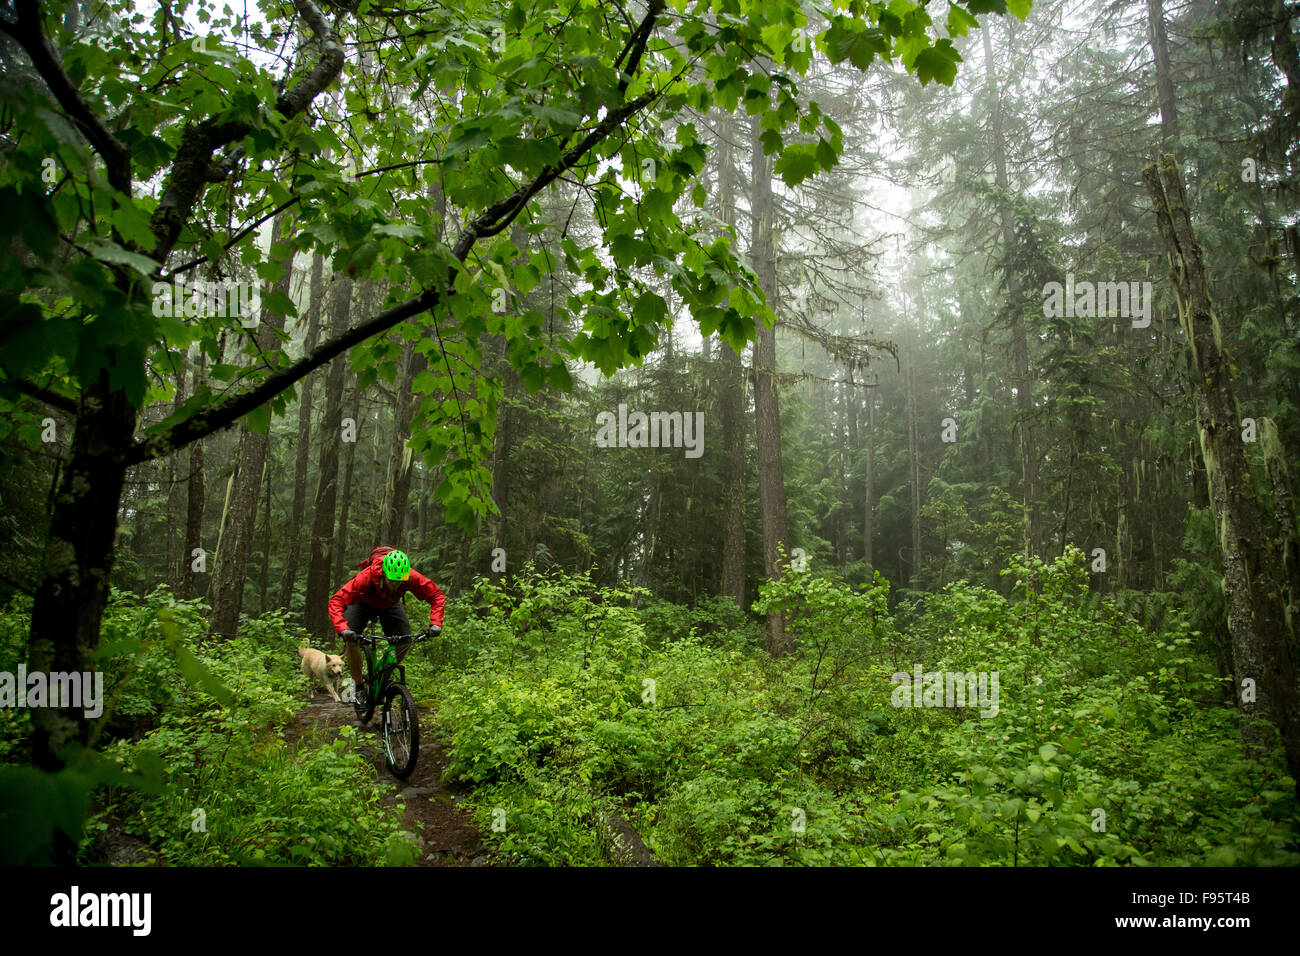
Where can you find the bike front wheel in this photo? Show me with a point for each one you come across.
(401, 731)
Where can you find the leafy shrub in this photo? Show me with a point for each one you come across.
(721, 755)
(191, 725)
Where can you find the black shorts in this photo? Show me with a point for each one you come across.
(359, 617)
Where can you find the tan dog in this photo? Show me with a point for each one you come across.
(327, 669)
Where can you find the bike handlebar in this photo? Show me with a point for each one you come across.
(394, 639)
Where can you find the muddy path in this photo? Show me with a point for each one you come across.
(445, 833)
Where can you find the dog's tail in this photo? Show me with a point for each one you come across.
(305, 642)
(302, 651)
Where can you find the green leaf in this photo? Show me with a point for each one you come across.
(270, 271)
(650, 309)
(259, 419)
(516, 18)
(306, 143)
(279, 303)
(826, 155)
(223, 372)
(938, 62)
(858, 46)
(400, 231)
(133, 225)
(796, 163)
(364, 255)
(558, 377)
(560, 117)
(425, 267)
(108, 251)
(960, 22)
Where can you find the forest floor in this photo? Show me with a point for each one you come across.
(446, 834)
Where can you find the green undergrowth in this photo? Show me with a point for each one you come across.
(191, 766)
(567, 702)
(1107, 742)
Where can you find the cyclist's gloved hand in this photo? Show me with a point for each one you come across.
(349, 635)
(434, 630)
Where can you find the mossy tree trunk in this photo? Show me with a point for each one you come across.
(1252, 589)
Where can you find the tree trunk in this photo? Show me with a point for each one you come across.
(501, 446)
(264, 606)
(172, 574)
(142, 484)
(194, 498)
(1251, 583)
(236, 546)
(868, 506)
(175, 551)
(733, 498)
(1122, 547)
(461, 574)
(299, 508)
(840, 397)
(1019, 340)
(767, 412)
(77, 563)
(341, 550)
(733, 401)
(401, 460)
(422, 515)
(914, 463)
(401, 463)
(1159, 39)
(1280, 480)
(320, 561)
(646, 572)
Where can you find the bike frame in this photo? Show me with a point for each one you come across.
(382, 671)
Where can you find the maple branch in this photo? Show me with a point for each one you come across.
(488, 223)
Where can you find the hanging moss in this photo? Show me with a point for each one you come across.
(1218, 331)
(1271, 445)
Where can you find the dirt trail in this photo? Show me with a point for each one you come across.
(445, 833)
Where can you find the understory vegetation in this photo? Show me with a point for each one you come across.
(568, 701)
(193, 769)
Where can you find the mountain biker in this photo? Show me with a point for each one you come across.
(377, 592)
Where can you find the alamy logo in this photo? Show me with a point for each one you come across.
(946, 689)
(56, 689)
(1109, 299)
(658, 430)
(102, 909)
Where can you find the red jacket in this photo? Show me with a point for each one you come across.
(366, 588)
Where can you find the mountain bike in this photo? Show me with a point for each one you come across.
(385, 684)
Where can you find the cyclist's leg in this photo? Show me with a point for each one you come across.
(395, 622)
(358, 617)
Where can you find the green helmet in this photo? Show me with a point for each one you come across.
(397, 566)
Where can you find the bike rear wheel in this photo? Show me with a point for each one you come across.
(401, 730)
(366, 711)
